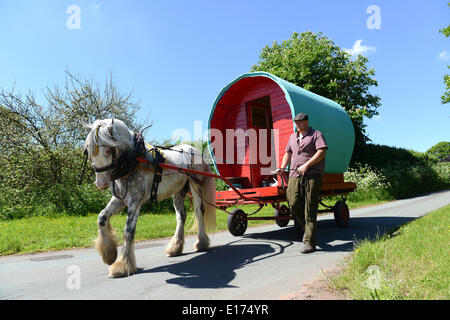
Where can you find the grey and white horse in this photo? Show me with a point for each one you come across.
(106, 141)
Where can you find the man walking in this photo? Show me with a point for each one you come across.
(306, 150)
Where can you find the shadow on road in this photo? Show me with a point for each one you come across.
(328, 232)
(216, 267)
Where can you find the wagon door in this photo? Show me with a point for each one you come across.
(259, 121)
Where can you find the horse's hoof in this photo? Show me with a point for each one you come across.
(173, 253)
(115, 274)
(120, 269)
(201, 246)
(175, 247)
(107, 248)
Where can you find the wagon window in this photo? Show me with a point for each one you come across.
(259, 117)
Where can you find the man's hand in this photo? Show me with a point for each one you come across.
(318, 156)
(302, 169)
(280, 171)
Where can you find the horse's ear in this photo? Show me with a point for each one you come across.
(86, 126)
(110, 128)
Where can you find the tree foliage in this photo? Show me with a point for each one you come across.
(440, 150)
(40, 143)
(445, 98)
(313, 62)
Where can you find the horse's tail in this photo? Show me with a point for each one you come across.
(209, 202)
(208, 195)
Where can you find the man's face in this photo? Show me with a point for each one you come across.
(302, 125)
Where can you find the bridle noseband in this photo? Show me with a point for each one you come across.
(112, 166)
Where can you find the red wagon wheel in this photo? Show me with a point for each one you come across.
(237, 222)
(283, 212)
(341, 214)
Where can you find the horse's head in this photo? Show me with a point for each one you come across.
(105, 142)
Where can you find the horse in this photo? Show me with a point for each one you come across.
(111, 147)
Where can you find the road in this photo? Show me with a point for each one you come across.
(265, 263)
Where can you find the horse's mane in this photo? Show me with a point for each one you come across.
(107, 133)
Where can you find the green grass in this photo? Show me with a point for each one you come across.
(34, 234)
(411, 263)
(44, 233)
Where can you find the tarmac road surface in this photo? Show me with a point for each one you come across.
(265, 263)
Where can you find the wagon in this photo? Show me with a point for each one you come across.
(249, 126)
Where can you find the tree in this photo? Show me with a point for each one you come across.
(42, 141)
(440, 150)
(312, 61)
(445, 98)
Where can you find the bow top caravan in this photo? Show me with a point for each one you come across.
(252, 119)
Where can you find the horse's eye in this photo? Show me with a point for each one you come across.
(107, 152)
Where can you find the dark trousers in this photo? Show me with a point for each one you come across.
(303, 197)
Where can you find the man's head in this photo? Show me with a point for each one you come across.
(301, 122)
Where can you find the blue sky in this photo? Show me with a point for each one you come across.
(176, 56)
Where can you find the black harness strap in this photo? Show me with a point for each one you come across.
(158, 158)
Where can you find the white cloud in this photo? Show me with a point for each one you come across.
(358, 48)
(444, 55)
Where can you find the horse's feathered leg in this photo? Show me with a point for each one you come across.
(202, 242)
(176, 245)
(126, 264)
(106, 242)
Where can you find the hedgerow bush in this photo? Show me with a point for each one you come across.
(397, 181)
(387, 173)
(54, 200)
(371, 183)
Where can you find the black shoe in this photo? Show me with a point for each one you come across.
(308, 248)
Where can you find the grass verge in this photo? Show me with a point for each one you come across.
(44, 233)
(34, 234)
(412, 262)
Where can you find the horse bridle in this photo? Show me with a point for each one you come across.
(113, 164)
(127, 162)
(123, 165)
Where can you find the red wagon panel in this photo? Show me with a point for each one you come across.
(234, 112)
